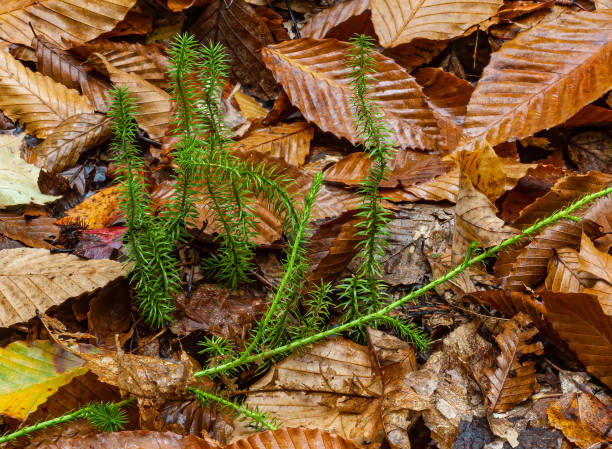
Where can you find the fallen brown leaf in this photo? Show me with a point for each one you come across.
(594, 269)
(141, 439)
(341, 21)
(416, 53)
(35, 232)
(293, 438)
(97, 211)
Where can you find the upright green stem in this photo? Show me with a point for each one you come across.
(468, 262)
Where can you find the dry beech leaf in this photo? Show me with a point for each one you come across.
(399, 22)
(450, 94)
(66, 69)
(97, 211)
(513, 381)
(243, 33)
(476, 221)
(485, 171)
(147, 61)
(218, 311)
(290, 142)
(314, 74)
(62, 149)
(341, 21)
(603, 4)
(519, 8)
(563, 272)
(580, 321)
(293, 438)
(249, 108)
(153, 105)
(332, 386)
(35, 232)
(441, 188)
(35, 99)
(141, 439)
(35, 279)
(541, 78)
(590, 115)
(595, 272)
(60, 21)
(416, 53)
(583, 419)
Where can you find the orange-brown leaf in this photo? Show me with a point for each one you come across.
(341, 21)
(563, 272)
(513, 381)
(97, 211)
(541, 78)
(293, 438)
(595, 271)
(141, 439)
(34, 232)
(314, 74)
(416, 53)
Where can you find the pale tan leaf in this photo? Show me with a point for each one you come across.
(36, 100)
(62, 149)
(153, 105)
(314, 75)
(399, 22)
(35, 279)
(60, 21)
(595, 272)
(541, 78)
(603, 4)
(341, 21)
(513, 380)
(249, 107)
(563, 272)
(287, 141)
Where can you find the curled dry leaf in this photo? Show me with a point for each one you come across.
(35, 99)
(97, 211)
(399, 22)
(341, 21)
(60, 21)
(595, 272)
(583, 419)
(513, 381)
(243, 33)
(580, 321)
(332, 386)
(33, 371)
(141, 439)
(153, 105)
(66, 69)
(290, 142)
(35, 232)
(62, 149)
(314, 74)
(36, 279)
(541, 78)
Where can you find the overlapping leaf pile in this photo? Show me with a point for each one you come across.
(500, 112)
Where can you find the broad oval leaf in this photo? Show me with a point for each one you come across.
(400, 21)
(314, 74)
(33, 371)
(541, 78)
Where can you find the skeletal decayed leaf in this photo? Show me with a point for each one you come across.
(31, 372)
(35, 232)
(79, 133)
(243, 33)
(541, 78)
(399, 22)
(513, 381)
(340, 21)
(595, 272)
(290, 142)
(141, 439)
(35, 99)
(332, 386)
(580, 321)
(66, 69)
(18, 180)
(583, 419)
(35, 279)
(314, 74)
(60, 21)
(153, 105)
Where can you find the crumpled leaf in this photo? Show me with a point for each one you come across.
(513, 380)
(141, 439)
(531, 83)
(62, 149)
(35, 232)
(242, 32)
(580, 321)
(33, 371)
(341, 21)
(218, 311)
(314, 73)
(36, 279)
(583, 419)
(35, 99)
(97, 211)
(399, 22)
(332, 386)
(60, 21)
(595, 272)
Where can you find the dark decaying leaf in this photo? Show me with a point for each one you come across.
(109, 315)
(513, 380)
(36, 232)
(242, 32)
(100, 243)
(589, 151)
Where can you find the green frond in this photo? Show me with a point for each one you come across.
(108, 417)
